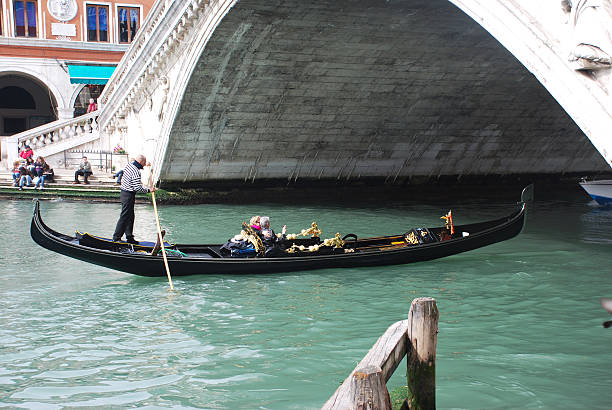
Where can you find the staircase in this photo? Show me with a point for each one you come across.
(102, 186)
(55, 137)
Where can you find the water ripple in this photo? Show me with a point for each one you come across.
(77, 335)
(65, 392)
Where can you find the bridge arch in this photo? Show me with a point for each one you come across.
(210, 18)
(539, 35)
(351, 89)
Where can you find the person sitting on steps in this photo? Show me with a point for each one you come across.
(40, 169)
(15, 172)
(25, 178)
(85, 170)
(26, 153)
(118, 175)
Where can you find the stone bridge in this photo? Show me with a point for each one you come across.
(256, 90)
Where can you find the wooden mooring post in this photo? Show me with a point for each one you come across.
(423, 333)
(416, 337)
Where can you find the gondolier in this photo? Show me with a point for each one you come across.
(130, 185)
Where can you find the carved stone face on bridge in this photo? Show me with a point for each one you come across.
(592, 24)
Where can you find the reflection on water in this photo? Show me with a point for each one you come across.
(520, 321)
(596, 222)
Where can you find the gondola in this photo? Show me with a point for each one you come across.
(416, 245)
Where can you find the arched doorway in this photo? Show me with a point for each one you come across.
(82, 100)
(25, 103)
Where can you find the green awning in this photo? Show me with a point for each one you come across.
(90, 74)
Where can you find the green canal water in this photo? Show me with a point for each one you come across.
(520, 321)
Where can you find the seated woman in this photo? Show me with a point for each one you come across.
(254, 240)
(40, 169)
(27, 153)
(25, 178)
(270, 239)
(255, 223)
(30, 164)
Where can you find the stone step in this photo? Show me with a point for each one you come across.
(64, 179)
(102, 187)
(61, 188)
(74, 192)
(64, 182)
(69, 185)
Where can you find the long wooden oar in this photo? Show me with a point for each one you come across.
(159, 234)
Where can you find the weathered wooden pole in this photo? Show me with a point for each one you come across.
(423, 336)
(385, 356)
(368, 390)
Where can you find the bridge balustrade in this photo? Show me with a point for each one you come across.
(55, 136)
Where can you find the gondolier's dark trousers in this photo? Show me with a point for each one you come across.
(125, 224)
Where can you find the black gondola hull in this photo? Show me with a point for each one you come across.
(481, 234)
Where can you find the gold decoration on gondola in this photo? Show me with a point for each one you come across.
(302, 248)
(412, 239)
(448, 218)
(313, 230)
(336, 242)
(250, 235)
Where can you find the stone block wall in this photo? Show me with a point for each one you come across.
(354, 89)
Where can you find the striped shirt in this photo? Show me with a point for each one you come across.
(130, 181)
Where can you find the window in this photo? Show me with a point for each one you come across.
(25, 18)
(129, 23)
(82, 100)
(97, 23)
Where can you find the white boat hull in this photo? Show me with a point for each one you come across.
(600, 191)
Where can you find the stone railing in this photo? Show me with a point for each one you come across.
(146, 61)
(141, 99)
(56, 136)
